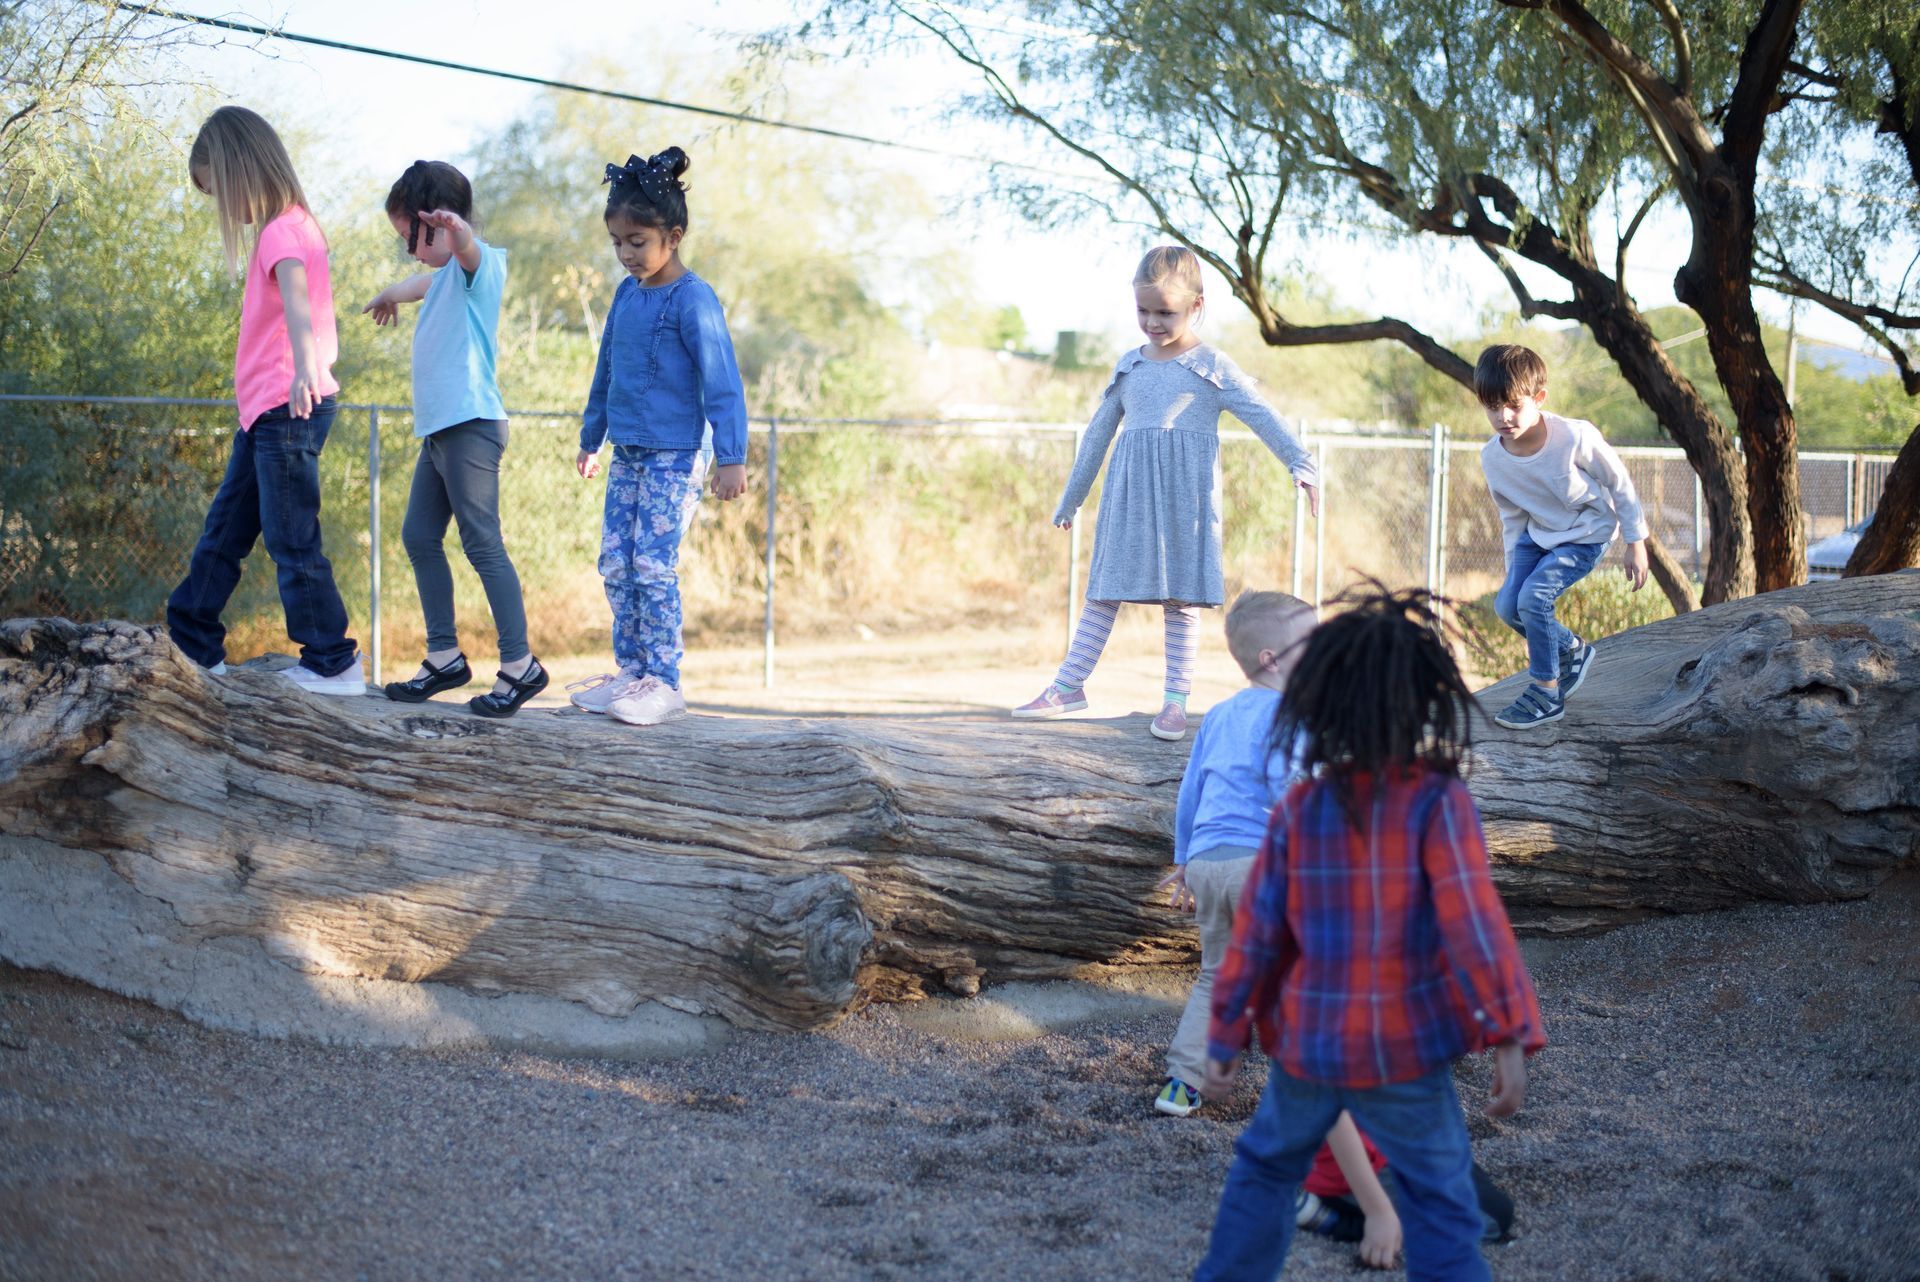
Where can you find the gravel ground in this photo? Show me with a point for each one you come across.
(1727, 1096)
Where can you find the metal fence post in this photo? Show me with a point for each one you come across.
(1073, 548)
(1699, 528)
(1445, 490)
(1299, 524)
(773, 500)
(1320, 531)
(373, 532)
(1433, 508)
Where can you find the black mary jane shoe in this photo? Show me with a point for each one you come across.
(519, 690)
(420, 689)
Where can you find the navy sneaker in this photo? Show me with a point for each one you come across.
(1575, 663)
(1537, 706)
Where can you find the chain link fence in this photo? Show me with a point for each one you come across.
(921, 524)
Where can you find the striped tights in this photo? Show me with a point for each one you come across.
(1096, 625)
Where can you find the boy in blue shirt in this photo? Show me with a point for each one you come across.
(1233, 778)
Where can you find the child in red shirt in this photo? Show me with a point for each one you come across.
(1371, 949)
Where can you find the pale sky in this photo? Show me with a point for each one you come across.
(382, 114)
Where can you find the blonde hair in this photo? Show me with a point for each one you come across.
(1274, 621)
(1171, 265)
(249, 176)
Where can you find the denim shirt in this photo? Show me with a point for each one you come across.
(666, 370)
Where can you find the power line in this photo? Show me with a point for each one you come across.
(619, 95)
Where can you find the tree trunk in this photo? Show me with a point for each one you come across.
(1892, 542)
(774, 873)
(358, 869)
(1671, 577)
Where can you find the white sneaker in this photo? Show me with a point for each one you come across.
(653, 702)
(347, 681)
(596, 694)
(218, 670)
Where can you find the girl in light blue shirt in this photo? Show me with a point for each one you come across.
(462, 426)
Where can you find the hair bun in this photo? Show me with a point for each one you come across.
(673, 161)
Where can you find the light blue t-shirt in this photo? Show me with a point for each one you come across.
(454, 344)
(1234, 777)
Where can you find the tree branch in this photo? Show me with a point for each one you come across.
(1762, 64)
(1872, 320)
(1682, 49)
(1530, 306)
(1626, 238)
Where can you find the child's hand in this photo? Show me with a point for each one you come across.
(383, 309)
(1637, 564)
(729, 481)
(1313, 496)
(1216, 1081)
(300, 397)
(1064, 525)
(588, 465)
(459, 234)
(1179, 894)
(1509, 1080)
(1380, 1240)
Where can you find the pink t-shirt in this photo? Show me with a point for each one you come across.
(263, 364)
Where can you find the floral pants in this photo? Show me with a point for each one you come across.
(651, 498)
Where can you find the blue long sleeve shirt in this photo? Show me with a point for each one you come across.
(1233, 777)
(666, 370)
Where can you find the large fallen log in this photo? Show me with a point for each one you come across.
(774, 873)
(1764, 749)
(168, 834)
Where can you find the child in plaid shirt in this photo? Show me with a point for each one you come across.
(1370, 949)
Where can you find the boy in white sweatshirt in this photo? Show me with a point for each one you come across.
(1563, 495)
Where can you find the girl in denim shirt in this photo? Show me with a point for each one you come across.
(666, 371)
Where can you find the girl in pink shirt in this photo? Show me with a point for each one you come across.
(284, 385)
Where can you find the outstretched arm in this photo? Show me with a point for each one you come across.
(386, 304)
(1380, 1240)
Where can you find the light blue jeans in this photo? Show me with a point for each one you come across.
(1536, 577)
(1416, 1124)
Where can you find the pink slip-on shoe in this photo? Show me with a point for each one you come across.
(596, 694)
(1052, 703)
(651, 702)
(1171, 724)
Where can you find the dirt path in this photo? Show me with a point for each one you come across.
(1727, 1097)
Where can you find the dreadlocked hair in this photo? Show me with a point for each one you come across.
(428, 185)
(1377, 687)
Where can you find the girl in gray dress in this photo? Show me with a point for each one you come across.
(1158, 540)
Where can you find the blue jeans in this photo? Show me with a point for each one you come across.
(1536, 577)
(1416, 1124)
(271, 491)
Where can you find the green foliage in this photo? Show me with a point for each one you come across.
(1601, 605)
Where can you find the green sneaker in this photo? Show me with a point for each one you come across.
(1176, 1098)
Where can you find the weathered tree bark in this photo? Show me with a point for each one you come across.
(1671, 577)
(1892, 542)
(1761, 749)
(773, 873)
(156, 823)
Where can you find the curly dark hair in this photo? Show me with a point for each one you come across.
(429, 184)
(650, 191)
(1377, 687)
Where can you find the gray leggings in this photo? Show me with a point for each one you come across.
(457, 478)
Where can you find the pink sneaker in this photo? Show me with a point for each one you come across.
(596, 694)
(651, 702)
(1171, 723)
(1052, 703)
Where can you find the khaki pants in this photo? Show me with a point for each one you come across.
(1216, 886)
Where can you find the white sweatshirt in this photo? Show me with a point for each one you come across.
(1575, 490)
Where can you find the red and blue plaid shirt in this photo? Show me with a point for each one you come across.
(1373, 954)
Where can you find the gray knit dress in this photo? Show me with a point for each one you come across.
(1158, 537)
